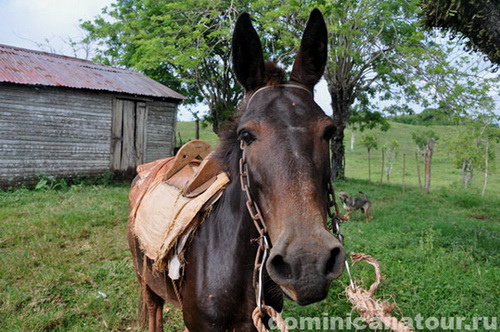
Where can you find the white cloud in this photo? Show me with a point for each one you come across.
(25, 23)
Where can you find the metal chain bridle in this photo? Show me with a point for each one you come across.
(260, 225)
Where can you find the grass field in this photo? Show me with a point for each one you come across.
(65, 265)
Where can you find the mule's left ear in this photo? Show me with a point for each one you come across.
(310, 61)
(248, 58)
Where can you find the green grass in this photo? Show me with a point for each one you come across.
(438, 253)
(444, 174)
(188, 132)
(65, 263)
(60, 251)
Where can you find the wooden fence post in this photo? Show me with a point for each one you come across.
(404, 170)
(383, 161)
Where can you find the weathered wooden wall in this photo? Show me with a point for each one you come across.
(161, 119)
(64, 132)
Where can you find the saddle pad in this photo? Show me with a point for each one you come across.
(164, 215)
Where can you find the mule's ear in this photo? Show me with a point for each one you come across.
(248, 59)
(310, 61)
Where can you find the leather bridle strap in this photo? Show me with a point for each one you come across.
(287, 85)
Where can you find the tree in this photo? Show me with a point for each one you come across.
(378, 51)
(184, 44)
(425, 142)
(369, 141)
(368, 41)
(391, 154)
(470, 145)
(477, 20)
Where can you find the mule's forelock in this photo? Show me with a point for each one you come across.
(275, 75)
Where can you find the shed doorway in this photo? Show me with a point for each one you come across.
(128, 135)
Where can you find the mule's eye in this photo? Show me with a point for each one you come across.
(328, 133)
(247, 137)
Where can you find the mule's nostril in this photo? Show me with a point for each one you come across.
(332, 260)
(281, 268)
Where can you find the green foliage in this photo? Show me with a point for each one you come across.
(48, 183)
(391, 150)
(51, 183)
(429, 116)
(476, 21)
(369, 141)
(472, 147)
(421, 138)
(467, 144)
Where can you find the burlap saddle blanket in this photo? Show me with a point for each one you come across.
(170, 198)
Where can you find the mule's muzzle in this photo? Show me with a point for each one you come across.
(305, 271)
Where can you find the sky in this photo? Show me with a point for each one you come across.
(27, 23)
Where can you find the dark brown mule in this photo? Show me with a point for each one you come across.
(285, 135)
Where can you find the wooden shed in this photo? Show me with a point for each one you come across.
(63, 116)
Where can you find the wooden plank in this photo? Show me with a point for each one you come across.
(160, 127)
(140, 133)
(128, 134)
(117, 134)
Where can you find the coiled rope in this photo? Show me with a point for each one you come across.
(265, 309)
(370, 308)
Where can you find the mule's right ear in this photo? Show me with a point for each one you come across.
(248, 59)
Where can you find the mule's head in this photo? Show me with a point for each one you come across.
(285, 136)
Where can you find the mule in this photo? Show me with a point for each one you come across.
(285, 137)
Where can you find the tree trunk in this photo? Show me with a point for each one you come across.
(369, 168)
(418, 170)
(340, 116)
(428, 161)
(388, 171)
(485, 168)
(338, 151)
(404, 171)
(197, 129)
(382, 171)
(467, 172)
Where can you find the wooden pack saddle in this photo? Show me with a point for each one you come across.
(170, 198)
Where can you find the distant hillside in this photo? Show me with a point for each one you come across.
(443, 172)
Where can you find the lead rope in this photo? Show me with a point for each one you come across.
(262, 253)
(370, 308)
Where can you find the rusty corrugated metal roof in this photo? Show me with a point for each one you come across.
(23, 66)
